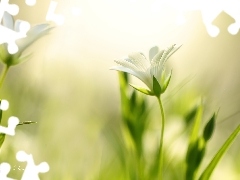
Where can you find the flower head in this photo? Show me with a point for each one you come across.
(151, 71)
(32, 35)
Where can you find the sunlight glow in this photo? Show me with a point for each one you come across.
(76, 11)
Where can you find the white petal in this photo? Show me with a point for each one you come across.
(32, 35)
(167, 53)
(173, 51)
(152, 52)
(157, 57)
(127, 63)
(139, 60)
(156, 71)
(143, 76)
(8, 20)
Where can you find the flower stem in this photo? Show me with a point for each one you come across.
(161, 139)
(3, 74)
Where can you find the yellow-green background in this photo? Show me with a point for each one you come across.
(68, 89)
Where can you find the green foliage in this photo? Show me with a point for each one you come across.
(166, 82)
(197, 143)
(195, 150)
(211, 166)
(189, 117)
(156, 87)
(142, 90)
(209, 128)
(134, 113)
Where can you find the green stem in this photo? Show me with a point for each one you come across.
(3, 74)
(161, 139)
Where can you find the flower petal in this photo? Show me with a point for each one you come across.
(173, 51)
(127, 63)
(139, 60)
(144, 77)
(152, 52)
(168, 53)
(156, 59)
(33, 34)
(156, 70)
(142, 90)
(8, 20)
(165, 54)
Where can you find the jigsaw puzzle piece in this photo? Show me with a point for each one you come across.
(31, 170)
(12, 123)
(11, 32)
(4, 170)
(12, 9)
(51, 16)
(30, 2)
(210, 10)
(232, 8)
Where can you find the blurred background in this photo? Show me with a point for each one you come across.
(68, 89)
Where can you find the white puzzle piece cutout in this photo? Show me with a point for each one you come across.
(4, 105)
(30, 2)
(209, 9)
(12, 9)
(51, 16)
(4, 170)
(31, 171)
(7, 35)
(10, 130)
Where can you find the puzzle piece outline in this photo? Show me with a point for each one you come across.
(4, 170)
(12, 124)
(31, 171)
(7, 35)
(210, 10)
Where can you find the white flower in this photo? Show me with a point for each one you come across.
(33, 35)
(148, 70)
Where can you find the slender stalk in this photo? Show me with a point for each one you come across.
(161, 139)
(3, 74)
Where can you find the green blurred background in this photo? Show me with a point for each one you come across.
(68, 89)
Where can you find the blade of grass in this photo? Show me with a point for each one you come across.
(209, 169)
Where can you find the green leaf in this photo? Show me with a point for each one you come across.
(209, 128)
(209, 169)
(166, 82)
(133, 99)
(196, 147)
(142, 90)
(194, 159)
(17, 59)
(156, 87)
(2, 138)
(189, 117)
(196, 125)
